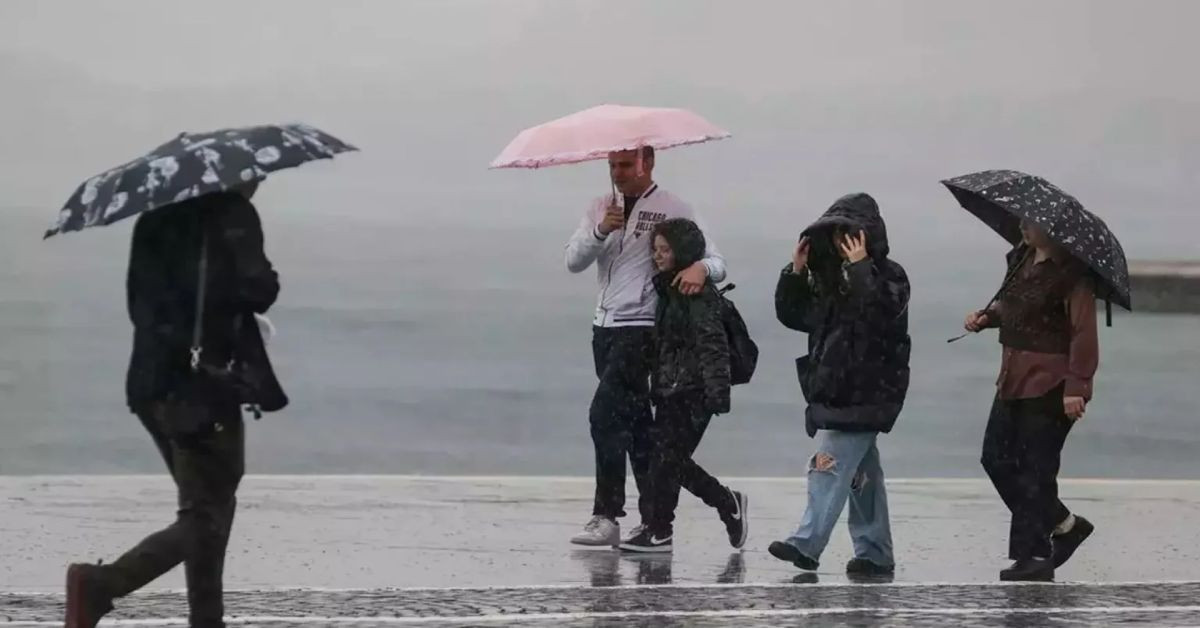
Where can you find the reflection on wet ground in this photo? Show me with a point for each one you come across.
(367, 533)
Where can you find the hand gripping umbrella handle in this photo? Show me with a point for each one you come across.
(1012, 273)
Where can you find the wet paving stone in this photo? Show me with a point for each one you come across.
(1158, 604)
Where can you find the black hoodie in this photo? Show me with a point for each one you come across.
(691, 349)
(855, 376)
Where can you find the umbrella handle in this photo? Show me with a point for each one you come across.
(958, 337)
(968, 333)
(1012, 273)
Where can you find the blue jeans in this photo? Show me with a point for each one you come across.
(846, 466)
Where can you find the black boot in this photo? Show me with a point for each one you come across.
(1065, 544)
(1029, 570)
(864, 569)
(790, 553)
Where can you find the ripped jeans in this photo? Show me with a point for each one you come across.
(846, 466)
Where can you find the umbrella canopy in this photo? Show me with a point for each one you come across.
(192, 165)
(1004, 198)
(594, 133)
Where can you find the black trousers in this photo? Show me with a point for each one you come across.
(679, 424)
(207, 474)
(1022, 448)
(620, 415)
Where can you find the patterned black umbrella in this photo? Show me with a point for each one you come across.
(191, 165)
(1003, 198)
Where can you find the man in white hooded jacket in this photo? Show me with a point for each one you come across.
(615, 235)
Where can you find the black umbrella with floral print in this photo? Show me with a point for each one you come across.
(1004, 198)
(191, 165)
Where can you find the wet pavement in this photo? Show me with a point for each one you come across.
(659, 605)
(376, 551)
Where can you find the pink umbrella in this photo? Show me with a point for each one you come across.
(596, 132)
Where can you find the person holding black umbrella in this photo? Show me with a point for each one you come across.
(198, 277)
(1047, 321)
(205, 460)
(1046, 313)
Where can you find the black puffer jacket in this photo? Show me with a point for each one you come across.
(855, 376)
(691, 349)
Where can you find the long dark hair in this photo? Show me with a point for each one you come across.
(825, 264)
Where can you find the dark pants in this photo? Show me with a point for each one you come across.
(679, 424)
(620, 415)
(206, 474)
(1021, 452)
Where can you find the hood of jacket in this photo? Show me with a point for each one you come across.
(851, 213)
(686, 241)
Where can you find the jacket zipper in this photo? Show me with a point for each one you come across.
(608, 282)
(620, 250)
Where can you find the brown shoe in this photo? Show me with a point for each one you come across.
(86, 602)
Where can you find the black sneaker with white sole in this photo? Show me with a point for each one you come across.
(735, 520)
(648, 543)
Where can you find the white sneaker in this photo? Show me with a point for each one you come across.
(599, 532)
(633, 534)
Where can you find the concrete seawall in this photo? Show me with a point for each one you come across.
(1171, 287)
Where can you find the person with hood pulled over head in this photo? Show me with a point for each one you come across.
(852, 300)
(689, 383)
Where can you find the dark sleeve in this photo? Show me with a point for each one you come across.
(1084, 353)
(145, 283)
(883, 283)
(863, 286)
(713, 348)
(794, 300)
(255, 282)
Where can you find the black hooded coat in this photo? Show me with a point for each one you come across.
(855, 376)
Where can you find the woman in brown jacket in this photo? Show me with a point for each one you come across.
(1046, 314)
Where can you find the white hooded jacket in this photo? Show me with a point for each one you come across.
(625, 266)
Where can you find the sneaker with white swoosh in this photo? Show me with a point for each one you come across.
(648, 542)
(736, 523)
